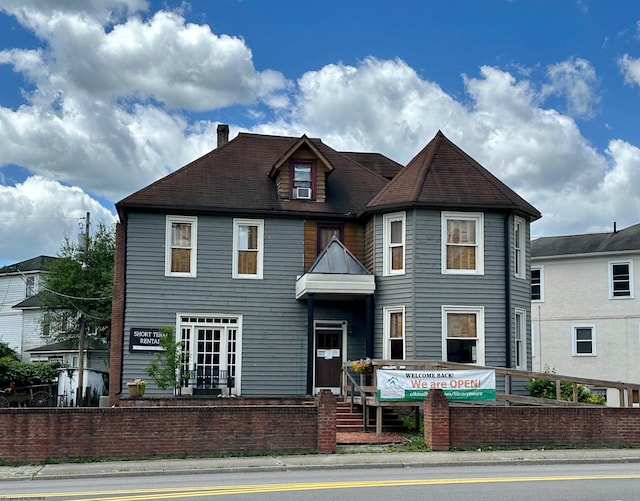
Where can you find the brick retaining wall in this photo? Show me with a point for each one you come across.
(517, 426)
(123, 432)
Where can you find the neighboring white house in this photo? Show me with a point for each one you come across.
(584, 306)
(20, 307)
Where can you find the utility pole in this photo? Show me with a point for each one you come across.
(82, 322)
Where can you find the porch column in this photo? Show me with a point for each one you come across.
(310, 344)
(369, 326)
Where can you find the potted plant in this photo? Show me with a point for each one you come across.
(136, 388)
(362, 366)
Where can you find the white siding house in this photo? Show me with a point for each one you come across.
(585, 314)
(20, 313)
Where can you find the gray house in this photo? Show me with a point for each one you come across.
(275, 259)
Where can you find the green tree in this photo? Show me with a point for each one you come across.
(79, 287)
(6, 351)
(165, 367)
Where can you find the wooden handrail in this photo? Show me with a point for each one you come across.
(624, 388)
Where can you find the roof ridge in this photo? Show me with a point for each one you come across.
(426, 167)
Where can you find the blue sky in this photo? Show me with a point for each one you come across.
(98, 98)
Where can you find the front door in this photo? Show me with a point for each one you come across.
(330, 342)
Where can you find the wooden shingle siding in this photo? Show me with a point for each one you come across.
(283, 182)
(369, 245)
(310, 243)
(274, 332)
(283, 179)
(353, 240)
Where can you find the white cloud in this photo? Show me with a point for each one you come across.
(107, 150)
(375, 106)
(41, 212)
(94, 120)
(385, 106)
(574, 79)
(112, 90)
(630, 69)
(184, 66)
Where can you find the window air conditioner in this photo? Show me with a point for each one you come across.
(303, 193)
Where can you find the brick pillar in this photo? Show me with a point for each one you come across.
(326, 404)
(117, 318)
(436, 421)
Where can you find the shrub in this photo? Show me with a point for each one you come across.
(26, 374)
(543, 388)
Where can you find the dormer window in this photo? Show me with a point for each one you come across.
(302, 174)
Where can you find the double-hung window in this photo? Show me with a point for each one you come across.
(620, 279)
(463, 334)
(519, 245)
(302, 173)
(537, 283)
(393, 333)
(394, 244)
(180, 246)
(463, 243)
(584, 340)
(248, 248)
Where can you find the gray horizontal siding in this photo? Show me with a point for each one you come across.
(424, 289)
(274, 332)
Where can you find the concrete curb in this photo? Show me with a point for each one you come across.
(330, 461)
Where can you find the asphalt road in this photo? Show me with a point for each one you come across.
(499, 482)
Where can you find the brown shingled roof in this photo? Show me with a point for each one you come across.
(235, 179)
(442, 175)
(376, 162)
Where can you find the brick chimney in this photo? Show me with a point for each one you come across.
(223, 134)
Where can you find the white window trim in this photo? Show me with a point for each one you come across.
(211, 319)
(386, 236)
(519, 261)
(541, 268)
(248, 222)
(522, 313)
(194, 246)
(479, 312)
(631, 286)
(478, 218)
(574, 341)
(386, 313)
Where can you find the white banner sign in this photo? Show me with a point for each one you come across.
(456, 384)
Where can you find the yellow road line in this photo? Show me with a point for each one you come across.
(182, 492)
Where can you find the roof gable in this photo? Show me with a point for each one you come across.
(442, 175)
(291, 152)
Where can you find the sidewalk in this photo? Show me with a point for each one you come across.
(330, 461)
